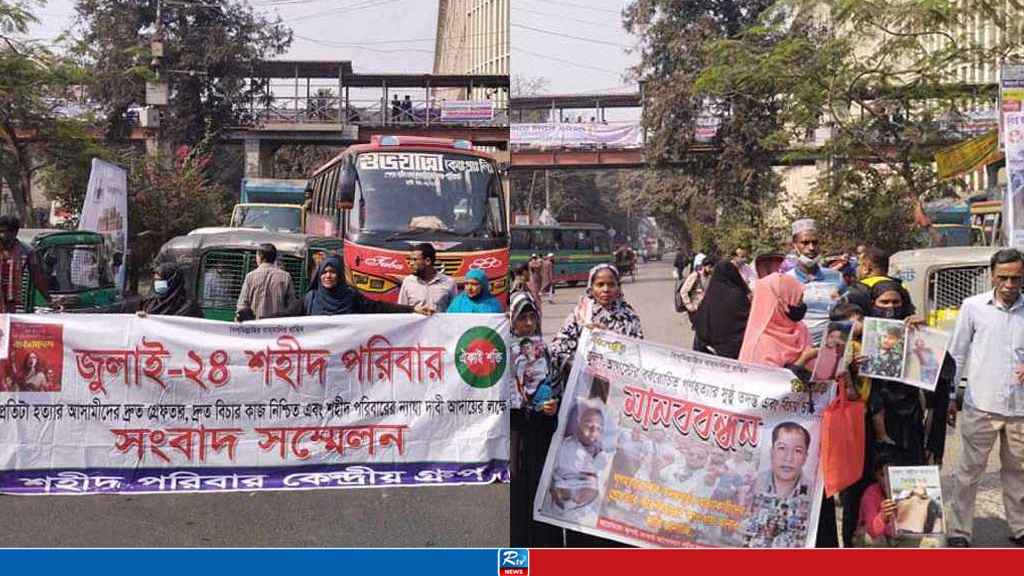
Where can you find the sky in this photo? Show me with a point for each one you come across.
(326, 30)
(578, 46)
(594, 59)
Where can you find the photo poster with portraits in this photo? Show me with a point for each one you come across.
(832, 358)
(664, 447)
(911, 355)
(917, 493)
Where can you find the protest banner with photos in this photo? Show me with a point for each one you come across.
(117, 403)
(911, 355)
(917, 492)
(664, 447)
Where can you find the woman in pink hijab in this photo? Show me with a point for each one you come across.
(776, 335)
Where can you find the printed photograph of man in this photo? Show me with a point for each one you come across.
(791, 443)
(575, 481)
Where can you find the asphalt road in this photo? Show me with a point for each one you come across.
(651, 296)
(474, 516)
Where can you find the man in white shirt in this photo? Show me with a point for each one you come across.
(989, 338)
(426, 286)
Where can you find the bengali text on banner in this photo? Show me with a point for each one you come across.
(664, 447)
(117, 403)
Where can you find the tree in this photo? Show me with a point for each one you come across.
(528, 85)
(881, 78)
(734, 172)
(40, 132)
(183, 186)
(301, 160)
(211, 50)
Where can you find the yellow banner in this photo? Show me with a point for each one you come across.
(967, 156)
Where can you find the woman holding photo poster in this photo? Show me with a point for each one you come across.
(776, 336)
(775, 333)
(535, 398)
(602, 307)
(896, 409)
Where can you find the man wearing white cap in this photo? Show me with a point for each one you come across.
(822, 286)
(547, 277)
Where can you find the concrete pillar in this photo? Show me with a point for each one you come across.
(259, 157)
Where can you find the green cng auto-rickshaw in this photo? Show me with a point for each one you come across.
(215, 263)
(78, 269)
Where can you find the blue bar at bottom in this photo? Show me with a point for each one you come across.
(251, 562)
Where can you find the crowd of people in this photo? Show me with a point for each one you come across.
(785, 318)
(793, 318)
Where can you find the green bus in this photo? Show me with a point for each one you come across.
(577, 248)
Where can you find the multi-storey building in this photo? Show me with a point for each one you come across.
(473, 38)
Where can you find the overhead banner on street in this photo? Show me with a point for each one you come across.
(567, 135)
(1013, 203)
(968, 156)
(664, 447)
(466, 110)
(106, 211)
(117, 403)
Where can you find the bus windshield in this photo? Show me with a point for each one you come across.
(271, 218)
(404, 192)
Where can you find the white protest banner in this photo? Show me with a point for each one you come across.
(117, 403)
(106, 210)
(1013, 202)
(568, 135)
(664, 447)
(466, 110)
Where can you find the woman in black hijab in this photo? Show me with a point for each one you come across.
(330, 295)
(721, 319)
(170, 295)
(897, 405)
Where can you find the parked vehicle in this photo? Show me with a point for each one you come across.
(215, 264)
(78, 268)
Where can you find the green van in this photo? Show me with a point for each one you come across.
(78, 268)
(215, 263)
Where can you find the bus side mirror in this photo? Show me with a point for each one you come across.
(347, 187)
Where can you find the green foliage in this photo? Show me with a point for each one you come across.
(301, 160)
(681, 86)
(209, 54)
(183, 186)
(881, 78)
(883, 206)
(37, 134)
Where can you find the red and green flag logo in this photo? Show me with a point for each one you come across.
(480, 357)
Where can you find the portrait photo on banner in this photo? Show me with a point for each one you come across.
(668, 448)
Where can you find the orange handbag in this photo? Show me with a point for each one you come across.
(842, 441)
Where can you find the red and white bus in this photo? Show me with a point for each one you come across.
(387, 196)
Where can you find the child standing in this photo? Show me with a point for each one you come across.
(876, 526)
(534, 402)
